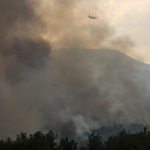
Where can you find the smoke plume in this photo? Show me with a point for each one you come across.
(73, 88)
(23, 52)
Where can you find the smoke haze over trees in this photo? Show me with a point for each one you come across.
(124, 140)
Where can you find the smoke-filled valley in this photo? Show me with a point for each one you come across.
(66, 77)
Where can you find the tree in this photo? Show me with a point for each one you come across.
(83, 148)
(65, 144)
(21, 141)
(40, 141)
(95, 142)
(9, 144)
(51, 140)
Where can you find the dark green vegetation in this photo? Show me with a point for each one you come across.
(39, 141)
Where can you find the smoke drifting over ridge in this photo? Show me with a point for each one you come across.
(73, 89)
(69, 27)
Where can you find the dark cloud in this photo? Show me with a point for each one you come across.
(23, 52)
(26, 54)
(21, 45)
(67, 129)
(16, 19)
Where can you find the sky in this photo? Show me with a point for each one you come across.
(125, 17)
(132, 18)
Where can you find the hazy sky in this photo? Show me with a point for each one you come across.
(126, 17)
(133, 18)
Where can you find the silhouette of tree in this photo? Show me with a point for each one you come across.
(51, 140)
(2, 145)
(9, 144)
(40, 141)
(65, 144)
(95, 142)
(83, 148)
(21, 141)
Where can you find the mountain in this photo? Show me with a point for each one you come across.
(99, 59)
(90, 88)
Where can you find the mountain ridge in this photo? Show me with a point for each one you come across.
(97, 58)
(143, 66)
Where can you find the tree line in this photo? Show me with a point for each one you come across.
(49, 141)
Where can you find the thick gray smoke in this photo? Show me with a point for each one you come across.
(69, 90)
(23, 52)
(93, 88)
(21, 45)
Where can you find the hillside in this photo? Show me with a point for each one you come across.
(105, 59)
